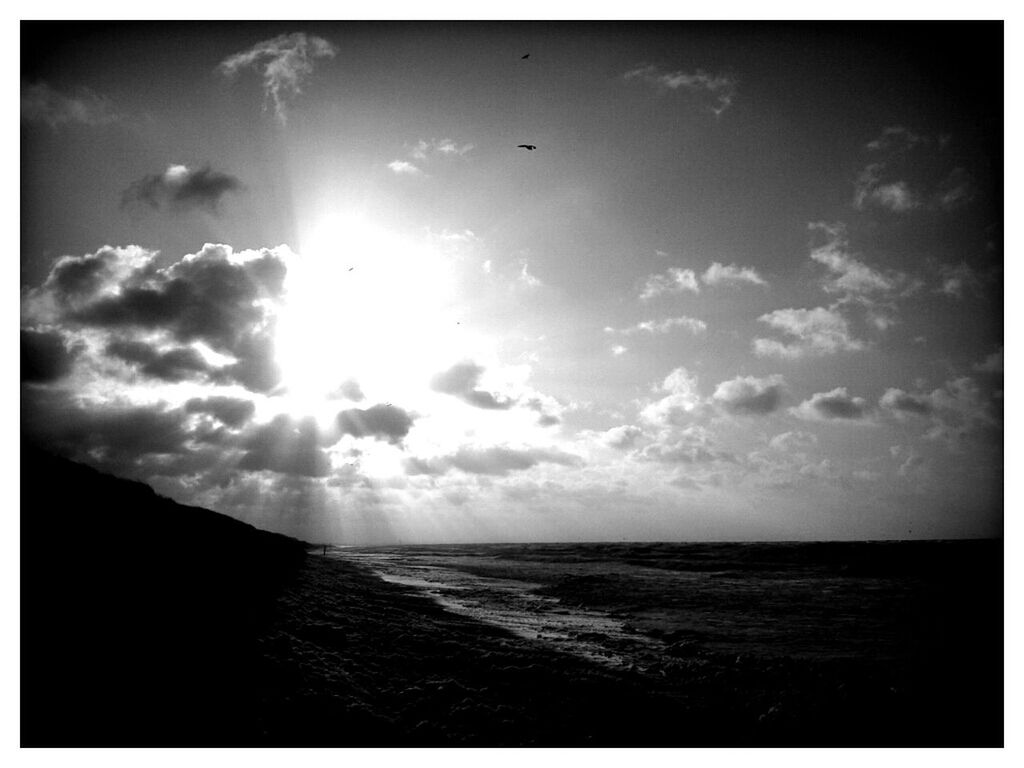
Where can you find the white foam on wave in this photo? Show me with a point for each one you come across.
(512, 605)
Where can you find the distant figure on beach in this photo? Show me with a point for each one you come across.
(325, 549)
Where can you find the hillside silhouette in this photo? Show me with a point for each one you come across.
(138, 615)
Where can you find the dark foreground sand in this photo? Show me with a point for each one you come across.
(146, 623)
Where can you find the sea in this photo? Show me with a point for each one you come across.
(911, 627)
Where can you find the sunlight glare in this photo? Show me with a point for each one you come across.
(363, 303)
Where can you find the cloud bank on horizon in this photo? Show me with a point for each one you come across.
(708, 309)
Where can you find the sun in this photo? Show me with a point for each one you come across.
(364, 304)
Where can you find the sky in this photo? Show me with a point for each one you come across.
(747, 286)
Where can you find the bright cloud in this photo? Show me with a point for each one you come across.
(816, 332)
(717, 274)
(285, 62)
(674, 280)
(720, 87)
(849, 275)
(681, 399)
(404, 168)
(691, 324)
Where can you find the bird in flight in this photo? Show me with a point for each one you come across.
(525, 57)
(530, 147)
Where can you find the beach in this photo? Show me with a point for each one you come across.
(146, 623)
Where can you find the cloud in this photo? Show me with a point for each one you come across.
(953, 412)
(117, 438)
(461, 381)
(896, 138)
(350, 390)
(837, 404)
(721, 87)
(912, 464)
(548, 409)
(425, 152)
(223, 299)
(898, 401)
(75, 280)
(794, 441)
(231, 411)
(42, 104)
(180, 187)
(956, 190)
(287, 446)
(895, 196)
(693, 445)
(747, 395)
(381, 422)
(622, 437)
(285, 62)
(673, 280)
(956, 279)
(991, 364)
(445, 148)
(850, 276)
(717, 274)
(692, 324)
(403, 168)
(530, 281)
(494, 460)
(679, 404)
(174, 365)
(817, 331)
(901, 177)
(45, 356)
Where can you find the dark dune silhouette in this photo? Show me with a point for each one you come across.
(137, 614)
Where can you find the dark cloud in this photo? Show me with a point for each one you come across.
(493, 460)
(256, 368)
(285, 445)
(178, 364)
(222, 299)
(118, 439)
(232, 411)
(204, 297)
(905, 402)
(956, 411)
(181, 188)
(837, 404)
(461, 381)
(45, 357)
(40, 103)
(74, 280)
(544, 418)
(747, 395)
(381, 421)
